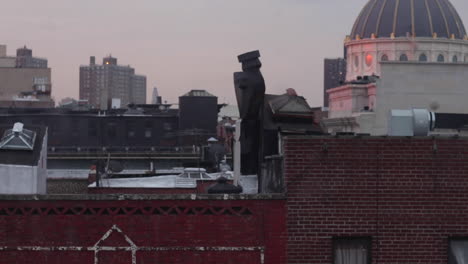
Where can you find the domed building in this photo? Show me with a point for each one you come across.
(401, 54)
(405, 30)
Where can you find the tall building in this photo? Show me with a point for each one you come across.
(25, 59)
(24, 77)
(156, 99)
(103, 84)
(334, 75)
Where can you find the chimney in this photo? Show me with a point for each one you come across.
(291, 92)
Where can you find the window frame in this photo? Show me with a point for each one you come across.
(453, 238)
(384, 57)
(441, 56)
(367, 241)
(423, 55)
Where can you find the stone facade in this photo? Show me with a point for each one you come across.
(364, 56)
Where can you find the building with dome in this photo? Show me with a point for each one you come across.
(401, 54)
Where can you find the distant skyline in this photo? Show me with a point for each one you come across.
(185, 45)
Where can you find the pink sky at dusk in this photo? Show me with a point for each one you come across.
(184, 45)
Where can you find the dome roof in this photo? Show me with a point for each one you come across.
(419, 18)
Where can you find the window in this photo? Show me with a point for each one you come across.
(423, 57)
(458, 250)
(384, 57)
(147, 133)
(167, 126)
(466, 58)
(131, 132)
(205, 176)
(369, 59)
(356, 61)
(92, 128)
(112, 130)
(455, 59)
(352, 250)
(441, 58)
(195, 175)
(403, 57)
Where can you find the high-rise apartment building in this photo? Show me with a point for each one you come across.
(334, 76)
(25, 59)
(102, 84)
(24, 77)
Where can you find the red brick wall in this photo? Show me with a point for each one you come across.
(409, 194)
(155, 231)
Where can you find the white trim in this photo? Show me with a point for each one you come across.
(132, 247)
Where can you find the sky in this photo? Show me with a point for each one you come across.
(184, 45)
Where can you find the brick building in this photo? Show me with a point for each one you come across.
(101, 84)
(142, 229)
(380, 199)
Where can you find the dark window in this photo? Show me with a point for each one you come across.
(148, 133)
(112, 130)
(441, 58)
(148, 129)
(56, 129)
(455, 59)
(167, 126)
(75, 128)
(422, 57)
(352, 250)
(92, 128)
(403, 57)
(384, 58)
(131, 129)
(458, 250)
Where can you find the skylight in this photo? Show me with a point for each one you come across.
(18, 138)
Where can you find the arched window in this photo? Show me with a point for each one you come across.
(441, 58)
(369, 60)
(356, 61)
(455, 58)
(403, 57)
(422, 57)
(385, 57)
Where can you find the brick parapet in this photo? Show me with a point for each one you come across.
(409, 194)
(142, 229)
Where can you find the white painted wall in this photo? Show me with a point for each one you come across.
(42, 167)
(22, 179)
(420, 85)
(16, 179)
(438, 87)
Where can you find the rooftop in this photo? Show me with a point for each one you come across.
(21, 157)
(416, 18)
(199, 93)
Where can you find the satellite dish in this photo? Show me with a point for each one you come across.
(115, 166)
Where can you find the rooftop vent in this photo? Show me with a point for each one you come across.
(18, 138)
